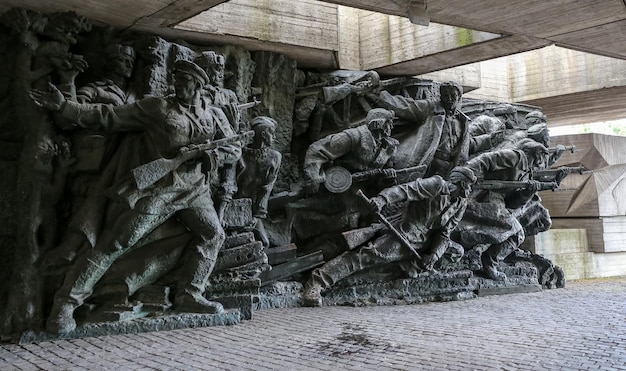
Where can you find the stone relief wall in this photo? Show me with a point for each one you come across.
(152, 184)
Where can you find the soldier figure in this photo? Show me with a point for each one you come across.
(433, 207)
(491, 218)
(364, 147)
(171, 123)
(260, 165)
(440, 136)
(121, 153)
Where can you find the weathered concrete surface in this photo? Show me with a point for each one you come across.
(571, 87)
(570, 250)
(580, 327)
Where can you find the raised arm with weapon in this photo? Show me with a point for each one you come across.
(150, 173)
(557, 175)
(515, 185)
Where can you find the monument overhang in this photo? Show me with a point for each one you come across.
(594, 27)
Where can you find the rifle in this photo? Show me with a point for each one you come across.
(558, 174)
(363, 175)
(571, 148)
(393, 83)
(150, 173)
(255, 102)
(339, 180)
(464, 115)
(391, 228)
(514, 185)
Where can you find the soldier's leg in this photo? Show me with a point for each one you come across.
(497, 253)
(385, 249)
(199, 258)
(90, 267)
(260, 233)
(439, 245)
(440, 241)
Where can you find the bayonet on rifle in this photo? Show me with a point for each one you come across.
(558, 174)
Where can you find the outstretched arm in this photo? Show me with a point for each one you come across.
(52, 100)
(406, 108)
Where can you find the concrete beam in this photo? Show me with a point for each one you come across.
(571, 87)
(389, 43)
(584, 107)
(307, 57)
(177, 11)
(460, 56)
(555, 71)
(305, 30)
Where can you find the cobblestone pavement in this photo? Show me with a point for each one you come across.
(581, 327)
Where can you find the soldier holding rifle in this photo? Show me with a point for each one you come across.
(505, 192)
(171, 124)
(364, 147)
(432, 208)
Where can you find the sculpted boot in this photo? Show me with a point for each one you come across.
(489, 260)
(61, 319)
(190, 293)
(77, 286)
(492, 272)
(196, 303)
(312, 293)
(327, 275)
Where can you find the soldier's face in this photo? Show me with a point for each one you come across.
(184, 85)
(387, 128)
(449, 99)
(123, 65)
(217, 75)
(267, 136)
(541, 159)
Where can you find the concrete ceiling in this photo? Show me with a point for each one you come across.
(593, 26)
(597, 26)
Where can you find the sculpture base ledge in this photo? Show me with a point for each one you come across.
(162, 323)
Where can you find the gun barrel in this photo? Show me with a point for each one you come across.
(569, 147)
(514, 185)
(562, 170)
(255, 102)
(362, 175)
(464, 115)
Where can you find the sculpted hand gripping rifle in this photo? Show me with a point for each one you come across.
(150, 173)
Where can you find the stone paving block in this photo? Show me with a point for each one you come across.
(556, 329)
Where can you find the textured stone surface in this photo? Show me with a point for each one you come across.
(162, 323)
(554, 329)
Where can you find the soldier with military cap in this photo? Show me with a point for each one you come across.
(170, 124)
(365, 147)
